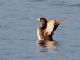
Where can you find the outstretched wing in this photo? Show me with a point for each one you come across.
(57, 23)
(52, 25)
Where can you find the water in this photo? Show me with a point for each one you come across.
(18, 29)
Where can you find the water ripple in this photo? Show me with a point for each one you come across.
(37, 0)
(2, 3)
(4, 38)
(28, 57)
(55, 3)
(4, 26)
(9, 53)
(75, 5)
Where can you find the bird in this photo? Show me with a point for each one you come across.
(46, 31)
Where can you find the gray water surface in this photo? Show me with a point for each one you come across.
(18, 29)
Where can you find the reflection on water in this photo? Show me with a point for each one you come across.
(48, 48)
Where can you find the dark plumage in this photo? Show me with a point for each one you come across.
(43, 23)
(41, 30)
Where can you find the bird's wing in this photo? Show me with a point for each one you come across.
(52, 25)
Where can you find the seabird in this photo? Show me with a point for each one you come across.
(46, 30)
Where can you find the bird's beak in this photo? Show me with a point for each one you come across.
(38, 19)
